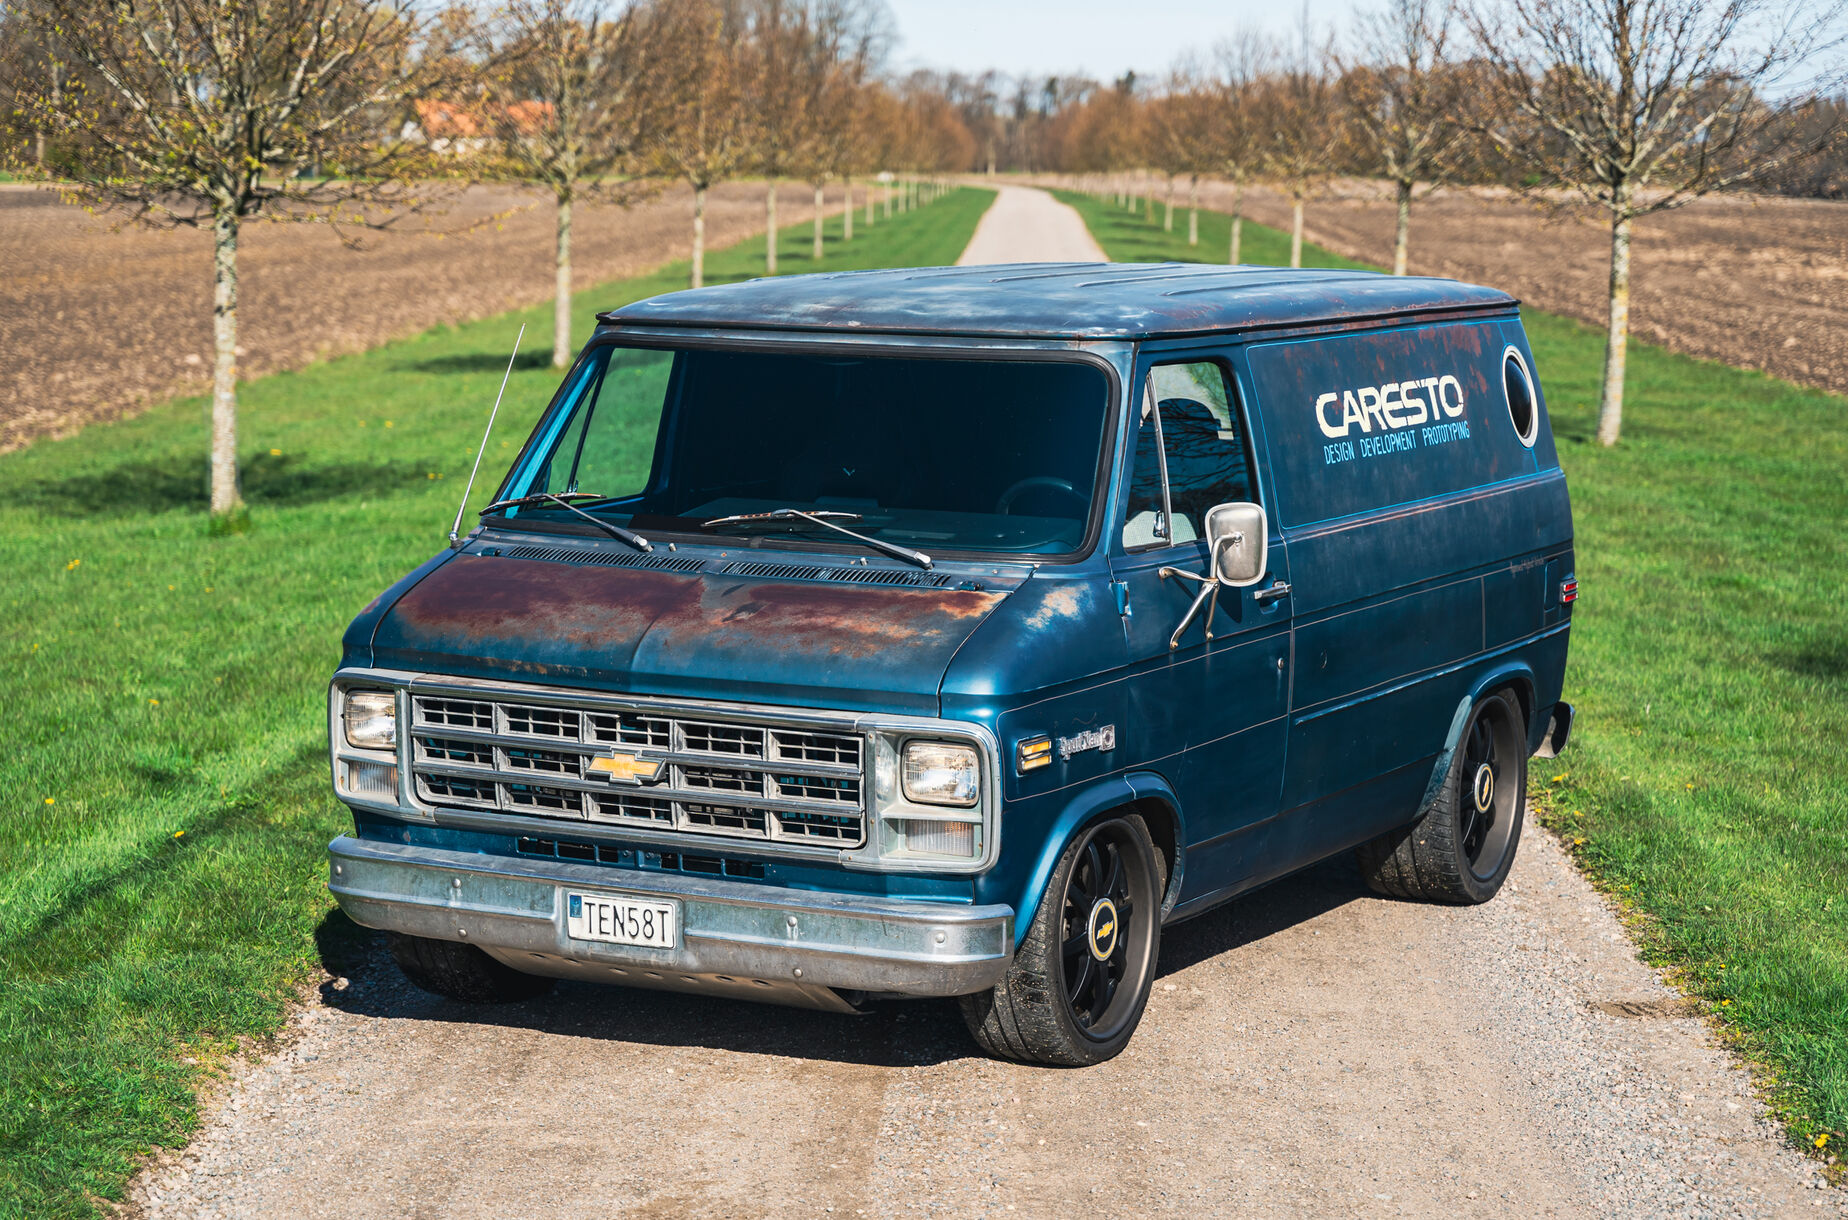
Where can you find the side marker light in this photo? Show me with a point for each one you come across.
(1032, 753)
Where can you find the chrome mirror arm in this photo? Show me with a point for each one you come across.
(1208, 596)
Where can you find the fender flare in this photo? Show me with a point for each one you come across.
(1113, 792)
(1517, 674)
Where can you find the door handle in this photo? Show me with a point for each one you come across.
(1280, 589)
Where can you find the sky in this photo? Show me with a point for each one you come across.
(1099, 38)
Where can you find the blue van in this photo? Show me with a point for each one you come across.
(950, 632)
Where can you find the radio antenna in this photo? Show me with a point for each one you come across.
(455, 531)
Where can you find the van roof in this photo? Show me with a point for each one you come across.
(1058, 300)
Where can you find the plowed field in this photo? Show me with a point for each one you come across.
(1756, 282)
(97, 319)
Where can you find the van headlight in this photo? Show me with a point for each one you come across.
(371, 719)
(939, 773)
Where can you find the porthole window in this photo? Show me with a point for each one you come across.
(1519, 384)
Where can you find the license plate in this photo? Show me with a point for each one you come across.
(616, 920)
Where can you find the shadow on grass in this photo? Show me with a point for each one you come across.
(527, 361)
(891, 1034)
(176, 483)
(1822, 660)
(152, 869)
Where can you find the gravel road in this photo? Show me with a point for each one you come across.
(1028, 226)
(1310, 1050)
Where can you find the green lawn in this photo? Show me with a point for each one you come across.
(165, 780)
(1705, 783)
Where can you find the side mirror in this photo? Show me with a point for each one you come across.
(1239, 537)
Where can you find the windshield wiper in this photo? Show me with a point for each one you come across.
(825, 517)
(543, 497)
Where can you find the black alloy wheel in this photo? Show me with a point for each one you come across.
(1082, 975)
(1487, 808)
(1463, 847)
(1098, 914)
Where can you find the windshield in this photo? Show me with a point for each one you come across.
(966, 455)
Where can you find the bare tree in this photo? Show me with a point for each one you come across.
(1637, 106)
(1406, 100)
(776, 101)
(1242, 62)
(848, 40)
(213, 112)
(704, 129)
(583, 92)
(1182, 139)
(1303, 133)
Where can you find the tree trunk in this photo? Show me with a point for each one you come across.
(699, 236)
(1148, 201)
(1238, 220)
(1193, 210)
(1402, 235)
(1296, 232)
(820, 202)
(561, 300)
(227, 502)
(57, 97)
(770, 234)
(1167, 217)
(847, 212)
(1617, 336)
(869, 203)
(888, 200)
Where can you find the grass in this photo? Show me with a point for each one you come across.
(1709, 664)
(165, 781)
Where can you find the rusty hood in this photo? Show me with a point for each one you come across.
(694, 634)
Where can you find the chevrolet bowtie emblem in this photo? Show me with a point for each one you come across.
(622, 767)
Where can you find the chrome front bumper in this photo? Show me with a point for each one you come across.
(752, 941)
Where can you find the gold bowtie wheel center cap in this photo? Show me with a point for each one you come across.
(1101, 929)
(1485, 788)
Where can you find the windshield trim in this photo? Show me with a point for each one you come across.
(862, 346)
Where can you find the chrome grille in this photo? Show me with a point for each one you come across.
(719, 777)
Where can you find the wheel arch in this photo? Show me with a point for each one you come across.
(1514, 676)
(1141, 792)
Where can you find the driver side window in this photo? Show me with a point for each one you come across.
(1190, 455)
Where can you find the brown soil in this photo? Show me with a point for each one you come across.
(1755, 282)
(99, 319)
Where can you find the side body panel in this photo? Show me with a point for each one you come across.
(1421, 540)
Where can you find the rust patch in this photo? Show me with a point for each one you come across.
(548, 613)
(823, 619)
(511, 600)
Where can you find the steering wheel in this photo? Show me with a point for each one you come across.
(1035, 483)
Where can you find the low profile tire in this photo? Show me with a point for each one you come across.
(1079, 981)
(1461, 850)
(461, 972)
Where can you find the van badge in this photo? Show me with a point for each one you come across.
(1091, 739)
(623, 767)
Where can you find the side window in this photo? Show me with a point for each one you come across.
(1190, 455)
